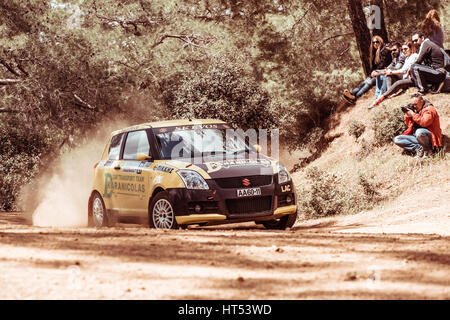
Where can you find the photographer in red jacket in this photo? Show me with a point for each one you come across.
(424, 133)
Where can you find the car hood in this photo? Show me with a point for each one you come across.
(232, 166)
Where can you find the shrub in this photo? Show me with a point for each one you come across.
(327, 194)
(386, 125)
(365, 149)
(368, 186)
(325, 197)
(356, 128)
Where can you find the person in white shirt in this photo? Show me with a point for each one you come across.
(409, 50)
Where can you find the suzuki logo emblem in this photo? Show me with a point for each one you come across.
(246, 182)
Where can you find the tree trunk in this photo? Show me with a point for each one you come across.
(362, 33)
(382, 32)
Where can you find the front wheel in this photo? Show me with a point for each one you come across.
(280, 224)
(161, 213)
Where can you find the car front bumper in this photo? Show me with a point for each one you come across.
(223, 205)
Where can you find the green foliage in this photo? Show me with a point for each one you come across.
(356, 128)
(387, 124)
(21, 151)
(224, 91)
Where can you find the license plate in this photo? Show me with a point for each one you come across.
(249, 192)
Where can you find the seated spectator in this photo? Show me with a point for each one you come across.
(409, 50)
(380, 58)
(398, 60)
(429, 67)
(432, 28)
(424, 132)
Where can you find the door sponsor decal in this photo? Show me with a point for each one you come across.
(123, 184)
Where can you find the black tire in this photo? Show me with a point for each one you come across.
(281, 224)
(161, 214)
(98, 215)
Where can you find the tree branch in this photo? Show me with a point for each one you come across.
(9, 67)
(191, 39)
(5, 110)
(82, 103)
(5, 82)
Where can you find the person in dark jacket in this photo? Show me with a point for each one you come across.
(429, 67)
(380, 58)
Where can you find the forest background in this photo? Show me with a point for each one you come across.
(68, 66)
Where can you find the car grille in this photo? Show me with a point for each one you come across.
(236, 182)
(250, 205)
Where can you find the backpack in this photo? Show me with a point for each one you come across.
(446, 60)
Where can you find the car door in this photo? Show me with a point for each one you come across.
(131, 183)
(108, 172)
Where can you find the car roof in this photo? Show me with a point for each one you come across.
(167, 123)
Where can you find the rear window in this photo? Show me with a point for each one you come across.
(114, 147)
(137, 142)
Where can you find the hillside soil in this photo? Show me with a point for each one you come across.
(321, 259)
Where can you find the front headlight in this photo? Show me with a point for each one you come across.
(283, 174)
(193, 180)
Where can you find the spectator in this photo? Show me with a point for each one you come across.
(424, 131)
(398, 60)
(432, 28)
(429, 67)
(409, 50)
(380, 58)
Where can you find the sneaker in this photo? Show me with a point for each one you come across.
(377, 102)
(419, 152)
(349, 96)
(426, 154)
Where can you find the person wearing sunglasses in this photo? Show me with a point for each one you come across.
(409, 50)
(429, 68)
(398, 60)
(424, 134)
(380, 58)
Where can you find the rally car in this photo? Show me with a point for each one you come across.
(182, 172)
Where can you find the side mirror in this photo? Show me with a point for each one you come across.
(143, 157)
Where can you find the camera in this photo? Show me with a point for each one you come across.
(409, 107)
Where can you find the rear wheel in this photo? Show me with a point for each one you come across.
(161, 213)
(280, 224)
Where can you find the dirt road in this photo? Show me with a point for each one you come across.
(313, 261)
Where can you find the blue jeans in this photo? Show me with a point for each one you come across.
(363, 87)
(380, 85)
(422, 137)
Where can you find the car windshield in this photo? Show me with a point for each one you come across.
(194, 142)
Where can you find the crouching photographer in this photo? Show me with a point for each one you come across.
(424, 134)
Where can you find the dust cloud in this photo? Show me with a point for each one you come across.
(59, 197)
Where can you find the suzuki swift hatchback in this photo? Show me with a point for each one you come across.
(184, 172)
